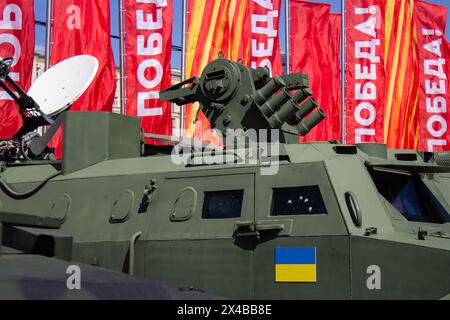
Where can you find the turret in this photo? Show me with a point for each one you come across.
(233, 96)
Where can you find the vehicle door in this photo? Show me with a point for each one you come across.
(385, 208)
(193, 228)
(302, 250)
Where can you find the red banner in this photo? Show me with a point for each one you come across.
(334, 109)
(263, 19)
(83, 27)
(315, 50)
(17, 41)
(365, 78)
(148, 29)
(434, 73)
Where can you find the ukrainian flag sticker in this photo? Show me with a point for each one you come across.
(295, 265)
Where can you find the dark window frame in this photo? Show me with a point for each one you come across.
(208, 214)
(431, 209)
(312, 188)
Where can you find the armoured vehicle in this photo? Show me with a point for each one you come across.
(258, 216)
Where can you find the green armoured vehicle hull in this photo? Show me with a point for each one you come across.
(378, 220)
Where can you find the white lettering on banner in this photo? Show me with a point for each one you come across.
(435, 90)
(148, 112)
(149, 23)
(159, 3)
(15, 43)
(74, 17)
(365, 112)
(7, 22)
(154, 44)
(149, 46)
(263, 24)
(143, 66)
(11, 20)
(265, 4)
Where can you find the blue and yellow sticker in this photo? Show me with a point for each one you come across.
(295, 264)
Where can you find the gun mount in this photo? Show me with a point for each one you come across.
(233, 96)
(25, 143)
(45, 104)
(31, 112)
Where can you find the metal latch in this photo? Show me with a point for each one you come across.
(422, 234)
(247, 228)
(268, 227)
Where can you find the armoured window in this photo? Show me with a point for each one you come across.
(222, 204)
(409, 195)
(297, 201)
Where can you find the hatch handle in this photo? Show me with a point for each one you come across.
(131, 256)
(269, 227)
(245, 229)
(353, 208)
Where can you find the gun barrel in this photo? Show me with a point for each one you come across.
(302, 94)
(305, 108)
(309, 123)
(269, 89)
(275, 102)
(286, 111)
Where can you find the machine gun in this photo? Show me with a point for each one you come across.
(233, 96)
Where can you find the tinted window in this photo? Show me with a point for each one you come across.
(409, 195)
(222, 204)
(297, 201)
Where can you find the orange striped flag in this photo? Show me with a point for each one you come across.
(242, 30)
(214, 26)
(402, 82)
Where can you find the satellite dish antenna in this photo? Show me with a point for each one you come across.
(61, 85)
(51, 94)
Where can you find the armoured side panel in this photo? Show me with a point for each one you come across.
(113, 255)
(191, 246)
(203, 264)
(332, 263)
(406, 271)
(349, 177)
(91, 137)
(297, 208)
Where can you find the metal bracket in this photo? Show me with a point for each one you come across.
(370, 231)
(180, 94)
(247, 228)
